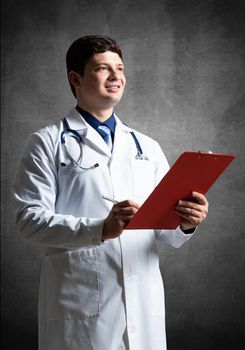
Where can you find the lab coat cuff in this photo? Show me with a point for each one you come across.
(95, 229)
(185, 235)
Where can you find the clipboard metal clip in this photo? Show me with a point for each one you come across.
(210, 152)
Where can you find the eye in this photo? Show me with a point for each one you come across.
(103, 68)
(121, 69)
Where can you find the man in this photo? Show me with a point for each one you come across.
(101, 286)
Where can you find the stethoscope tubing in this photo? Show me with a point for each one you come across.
(78, 138)
(77, 163)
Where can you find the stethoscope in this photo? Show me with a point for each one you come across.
(77, 163)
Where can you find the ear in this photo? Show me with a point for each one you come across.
(74, 78)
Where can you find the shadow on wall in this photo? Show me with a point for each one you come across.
(231, 130)
(18, 334)
(205, 339)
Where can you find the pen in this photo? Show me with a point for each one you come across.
(109, 199)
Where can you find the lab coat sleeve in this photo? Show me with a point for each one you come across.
(35, 191)
(176, 238)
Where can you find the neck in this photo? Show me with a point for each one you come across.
(101, 114)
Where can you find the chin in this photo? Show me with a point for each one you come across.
(113, 99)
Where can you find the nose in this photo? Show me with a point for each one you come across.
(114, 74)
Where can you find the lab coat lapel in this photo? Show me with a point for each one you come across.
(97, 141)
(122, 147)
(120, 172)
(91, 136)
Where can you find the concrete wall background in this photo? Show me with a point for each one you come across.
(185, 68)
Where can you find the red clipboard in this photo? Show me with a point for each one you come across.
(193, 171)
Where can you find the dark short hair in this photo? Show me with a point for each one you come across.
(84, 48)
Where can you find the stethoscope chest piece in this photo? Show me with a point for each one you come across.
(141, 156)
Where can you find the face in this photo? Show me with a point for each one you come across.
(102, 85)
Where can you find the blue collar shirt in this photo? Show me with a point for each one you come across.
(95, 123)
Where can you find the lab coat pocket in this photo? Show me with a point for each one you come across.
(72, 285)
(143, 176)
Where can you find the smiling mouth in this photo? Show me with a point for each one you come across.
(114, 86)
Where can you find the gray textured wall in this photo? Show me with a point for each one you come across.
(185, 87)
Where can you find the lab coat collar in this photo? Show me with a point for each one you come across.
(77, 122)
(121, 126)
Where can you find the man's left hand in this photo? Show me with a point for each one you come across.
(193, 211)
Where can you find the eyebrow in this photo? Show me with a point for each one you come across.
(108, 64)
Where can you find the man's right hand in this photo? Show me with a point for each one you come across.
(119, 216)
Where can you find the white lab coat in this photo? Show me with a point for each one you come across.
(93, 295)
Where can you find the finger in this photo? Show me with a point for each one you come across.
(123, 214)
(128, 211)
(189, 211)
(127, 218)
(121, 221)
(124, 210)
(198, 202)
(195, 221)
(201, 199)
(127, 203)
(191, 205)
